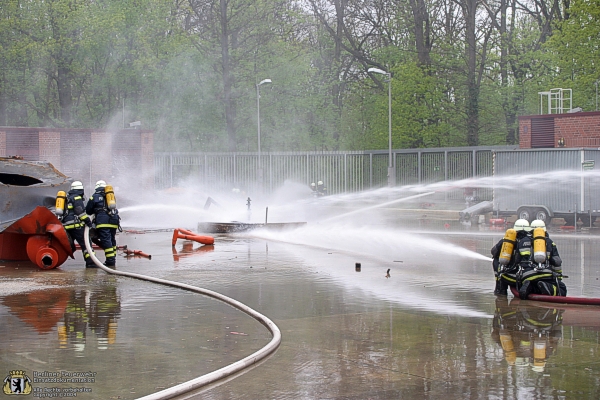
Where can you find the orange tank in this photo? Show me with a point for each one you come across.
(39, 237)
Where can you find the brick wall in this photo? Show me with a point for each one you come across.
(84, 154)
(2, 144)
(101, 156)
(574, 130)
(524, 133)
(148, 159)
(49, 145)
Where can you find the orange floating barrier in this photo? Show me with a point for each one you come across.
(188, 235)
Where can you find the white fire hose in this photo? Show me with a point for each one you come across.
(221, 373)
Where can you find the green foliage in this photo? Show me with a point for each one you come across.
(167, 63)
(418, 116)
(576, 50)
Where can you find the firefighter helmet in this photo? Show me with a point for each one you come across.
(76, 185)
(522, 225)
(538, 223)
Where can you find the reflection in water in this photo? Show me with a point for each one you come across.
(96, 310)
(188, 250)
(528, 335)
(40, 309)
(74, 311)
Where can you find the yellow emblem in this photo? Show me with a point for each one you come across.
(16, 383)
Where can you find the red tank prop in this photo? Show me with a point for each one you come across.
(559, 299)
(140, 253)
(189, 235)
(39, 237)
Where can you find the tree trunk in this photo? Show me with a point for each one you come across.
(227, 79)
(472, 103)
(65, 99)
(422, 31)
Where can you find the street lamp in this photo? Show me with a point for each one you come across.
(259, 172)
(391, 170)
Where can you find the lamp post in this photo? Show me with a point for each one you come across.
(391, 170)
(259, 173)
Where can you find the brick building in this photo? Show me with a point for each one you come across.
(123, 156)
(576, 129)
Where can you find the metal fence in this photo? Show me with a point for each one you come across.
(350, 171)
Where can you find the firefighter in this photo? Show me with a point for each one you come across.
(506, 272)
(321, 189)
(539, 277)
(74, 218)
(106, 221)
(552, 257)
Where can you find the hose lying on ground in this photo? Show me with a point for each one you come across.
(220, 373)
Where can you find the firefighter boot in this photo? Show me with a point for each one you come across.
(501, 288)
(524, 290)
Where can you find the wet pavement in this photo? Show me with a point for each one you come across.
(431, 329)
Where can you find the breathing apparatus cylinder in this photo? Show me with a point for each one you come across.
(509, 347)
(111, 201)
(539, 245)
(539, 355)
(508, 246)
(61, 200)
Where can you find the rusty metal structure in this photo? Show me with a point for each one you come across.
(29, 230)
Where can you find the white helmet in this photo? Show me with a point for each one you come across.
(522, 225)
(100, 184)
(76, 185)
(320, 183)
(538, 223)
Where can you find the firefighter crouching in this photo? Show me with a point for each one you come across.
(503, 257)
(70, 209)
(106, 220)
(541, 265)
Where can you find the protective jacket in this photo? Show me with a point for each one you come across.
(107, 223)
(544, 278)
(75, 215)
(506, 275)
(97, 206)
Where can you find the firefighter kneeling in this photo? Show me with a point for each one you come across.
(540, 264)
(504, 259)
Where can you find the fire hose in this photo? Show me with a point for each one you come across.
(221, 373)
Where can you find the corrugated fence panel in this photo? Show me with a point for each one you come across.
(407, 169)
(340, 171)
(432, 167)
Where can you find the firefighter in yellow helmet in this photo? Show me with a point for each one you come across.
(106, 220)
